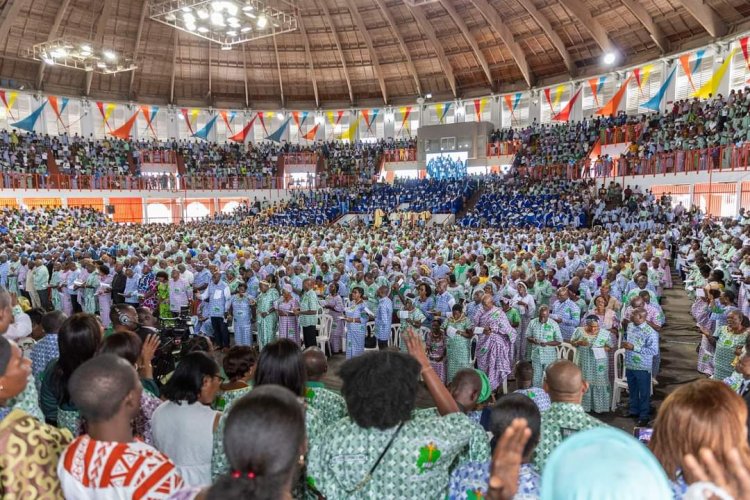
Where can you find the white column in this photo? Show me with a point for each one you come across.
(737, 197)
(173, 131)
(669, 95)
(576, 112)
(88, 109)
(495, 111)
(535, 109)
(718, 60)
(389, 122)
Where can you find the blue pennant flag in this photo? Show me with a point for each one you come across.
(64, 104)
(203, 133)
(655, 102)
(276, 136)
(29, 122)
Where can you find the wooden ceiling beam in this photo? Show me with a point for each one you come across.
(478, 54)
(497, 24)
(400, 39)
(101, 23)
(706, 17)
(425, 26)
(335, 36)
(52, 35)
(137, 45)
(308, 55)
(551, 34)
(10, 14)
(371, 47)
(278, 67)
(648, 22)
(599, 34)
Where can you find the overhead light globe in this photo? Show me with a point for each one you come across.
(262, 21)
(217, 19)
(203, 29)
(226, 46)
(170, 17)
(609, 58)
(109, 55)
(186, 9)
(48, 60)
(245, 29)
(203, 14)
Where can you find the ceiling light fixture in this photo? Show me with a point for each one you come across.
(609, 58)
(226, 46)
(85, 55)
(224, 21)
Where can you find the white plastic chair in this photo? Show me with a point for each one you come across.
(567, 351)
(621, 382)
(324, 333)
(395, 339)
(473, 350)
(370, 332)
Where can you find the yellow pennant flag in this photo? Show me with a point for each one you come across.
(269, 114)
(645, 73)
(108, 111)
(558, 95)
(194, 115)
(351, 132)
(439, 111)
(712, 85)
(12, 99)
(331, 118)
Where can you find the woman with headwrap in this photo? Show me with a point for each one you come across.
(526, 306)
(266, 311)
(334, 306)
(29, 449)
(288, 309)
(592, 344)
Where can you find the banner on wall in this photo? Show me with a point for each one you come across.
(441, 110)
(511, 102)
(59, 108)
(655, 102)
(9, 98)
(596, 85)
(690, 70)
(554, 102)
(641, 76)
(370, 119)
(224, 116)
(123, 132)
(149, 113)
(106, 112)
(262, 122)
(614, 104)
(310, 135)
(276, 136)
(711, 87)
(241, 136)
(203, 133)
(405, 112)
(564, 114)
(479, 105)
(29, 122)
(351, 133)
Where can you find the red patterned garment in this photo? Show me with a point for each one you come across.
(106, 470)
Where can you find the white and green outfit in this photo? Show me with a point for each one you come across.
(594, 364)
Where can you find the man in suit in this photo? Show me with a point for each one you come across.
(118, 284)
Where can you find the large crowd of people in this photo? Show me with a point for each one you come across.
(192, 360)
(97, 373)
(446, 168)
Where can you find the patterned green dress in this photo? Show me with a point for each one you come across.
(417, 464)
(727, 343)
(89, 293)
(595, 371)
(267, 327)
(459, 347)
(414, 316)
(540, 356)
(330, 405)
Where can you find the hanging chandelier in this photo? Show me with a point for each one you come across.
(226, 22)
(80, 54)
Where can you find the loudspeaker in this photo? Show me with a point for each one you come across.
(111, 209)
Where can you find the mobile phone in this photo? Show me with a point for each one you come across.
(643, 434)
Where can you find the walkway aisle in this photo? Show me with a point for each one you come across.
(678, 343)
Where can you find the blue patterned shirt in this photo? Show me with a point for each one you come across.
(42, 353)
(645, 342)
(383, 319)
(470, 481)
(538, 396)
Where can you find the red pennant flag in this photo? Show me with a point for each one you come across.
(508, 103)
(310, 135)
(593, 82)
(366, 115)
(339, 115)
(124, 131)
(295, 115)
(187, 119)
(242, 134)
(685, 62)
(262, 122)
(549, 100)
(564, 114)
(743, 44)
(146, 110)
(611, 107)
(223, 114)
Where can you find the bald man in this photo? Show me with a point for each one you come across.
(329, 405)
(565, 385)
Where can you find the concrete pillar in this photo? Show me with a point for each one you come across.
(669, 95)
(389, 122)
(535, 108)
(719, 59)
(576, 112)
(87, 117)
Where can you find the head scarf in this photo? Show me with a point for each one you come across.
(603, 464)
